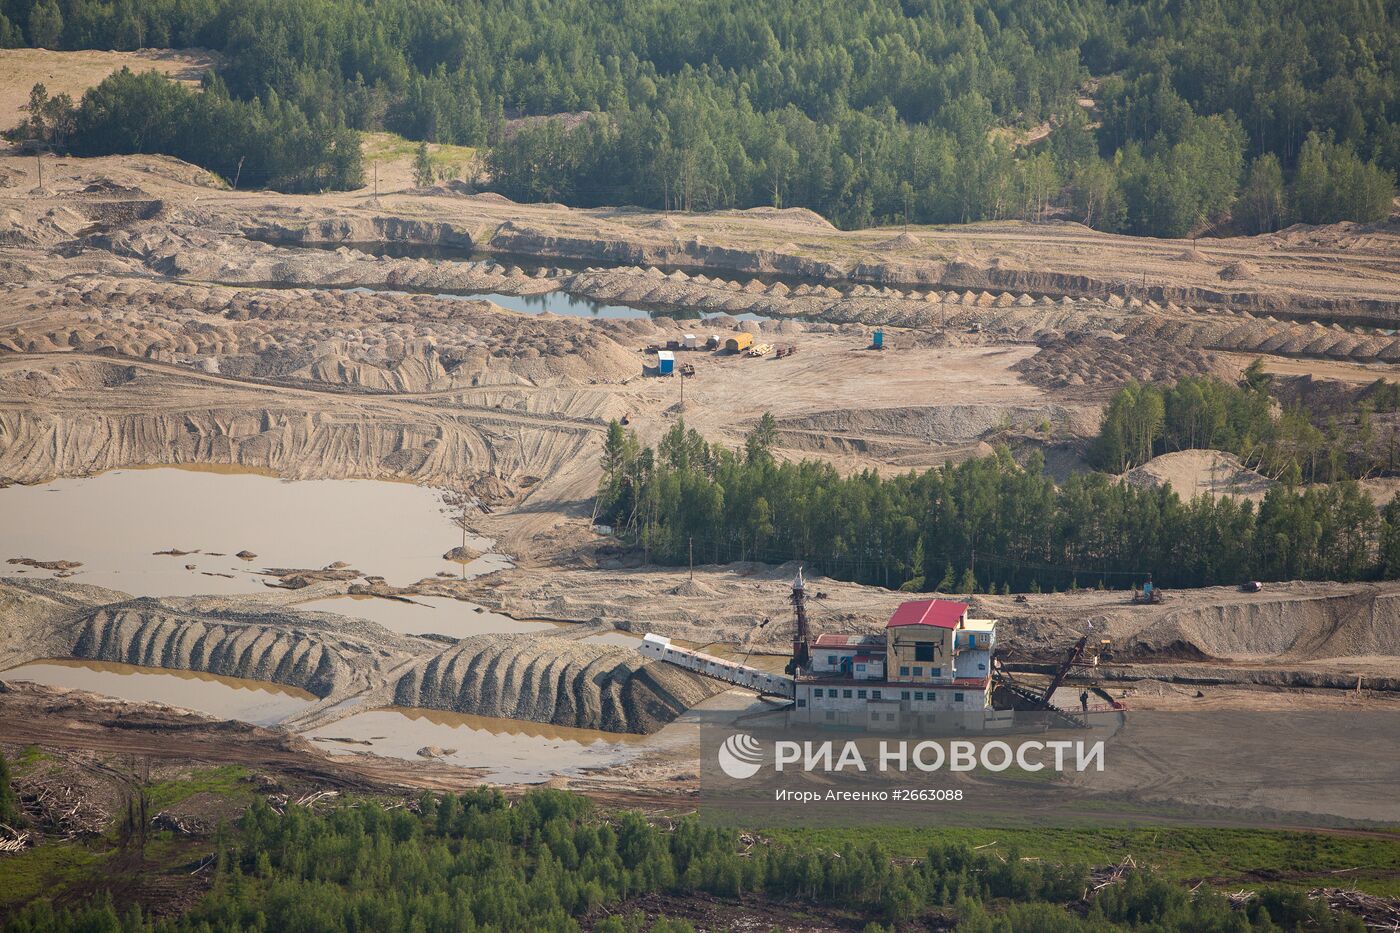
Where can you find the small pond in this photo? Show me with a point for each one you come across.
(254, 701)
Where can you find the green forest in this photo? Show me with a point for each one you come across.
(1292, 444)
(992, 524)
(551, 861)
(1144, 116)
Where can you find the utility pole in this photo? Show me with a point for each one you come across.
(691, 547)
(376, 179)
(39, 159)
(239, 173)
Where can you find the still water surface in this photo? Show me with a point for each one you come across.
(254, 701)
(115, 522)
(509, 750)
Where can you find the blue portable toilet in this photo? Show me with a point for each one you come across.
(879, 340)
(665, 362)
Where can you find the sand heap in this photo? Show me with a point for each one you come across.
(1239, 271)
(1196, 472)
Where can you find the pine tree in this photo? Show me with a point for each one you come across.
(45, 25)
(915, 582)
(968, 583)
(9, 804)
(422, 167)
(1262, 205)
(759, 443)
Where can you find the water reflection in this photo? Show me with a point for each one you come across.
(255, 701)
(508, 750)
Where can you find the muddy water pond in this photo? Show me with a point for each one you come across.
(254, 701)
(561, 303)
(509, 751)
(115, 523)
(555, 302)
(437, 615)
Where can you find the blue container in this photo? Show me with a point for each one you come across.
(879, 340)
(666, 362)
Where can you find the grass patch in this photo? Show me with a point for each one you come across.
(1233, 857)
(44, 869)
(225, 780)
(390, 147)
(28, 757)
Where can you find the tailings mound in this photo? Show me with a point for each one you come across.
(548, 679)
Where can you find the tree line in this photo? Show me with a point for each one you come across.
(1287, 443)
(549, 861)
(1199, 113)
(987, 524)
(270, 143)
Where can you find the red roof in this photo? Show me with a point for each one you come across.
(944, 613)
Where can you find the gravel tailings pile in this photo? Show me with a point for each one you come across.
(284, 648)
(934, 423)
(547, 679)
(1320, 628)
(543, 678)
(400, 342)
(1104, 361)
(1291, 634)
(334, 442)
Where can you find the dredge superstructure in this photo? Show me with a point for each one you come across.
(934, 667)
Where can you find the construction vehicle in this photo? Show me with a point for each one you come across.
(1148, 594)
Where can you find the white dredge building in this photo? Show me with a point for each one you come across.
(931, 669)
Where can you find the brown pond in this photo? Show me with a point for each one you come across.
(511, 751)
(252, 701)
(114, 523)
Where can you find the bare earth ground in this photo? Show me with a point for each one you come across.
(147, 320)
(72, 73)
